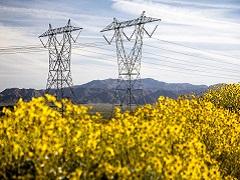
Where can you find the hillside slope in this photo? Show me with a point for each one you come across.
(102, 91)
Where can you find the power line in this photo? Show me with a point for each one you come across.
(193, 65)
(99, 53)
(182, 60)
(204, 75)
(16, 49)
(99, 45)
(23, 52)
(194, 48)
(187, 69)
(187, 54)
(19, 47)
(206, 58)
(37, 46)
(169, 66)
(215, 67)
(33, 49)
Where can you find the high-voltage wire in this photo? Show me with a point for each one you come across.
(100, 45)
(159, 67)
(151, 58)
(194, 48)
(192, 55)
(200, 65)
(83, 46)
(183, 68)
(27, 49)
(160, 60)
(184, 72)
(35, 48)
(218, 68)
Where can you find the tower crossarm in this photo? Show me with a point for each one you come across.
(60, 30)
(119, 25)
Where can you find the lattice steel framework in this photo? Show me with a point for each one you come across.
(59, 44)
(129, 63)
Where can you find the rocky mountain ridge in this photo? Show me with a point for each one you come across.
(102, 91)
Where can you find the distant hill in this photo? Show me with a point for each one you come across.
(102, 91)
(11, 96)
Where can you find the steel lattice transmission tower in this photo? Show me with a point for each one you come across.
(129, 63)
(59, 41)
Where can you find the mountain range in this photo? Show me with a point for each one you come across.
(102, 91)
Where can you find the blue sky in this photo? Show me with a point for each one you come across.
(212, 26)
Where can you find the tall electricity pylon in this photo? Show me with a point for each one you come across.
(59, 41)
(129, 63)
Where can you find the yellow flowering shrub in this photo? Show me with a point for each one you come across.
(172, 139)
(225, 95)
